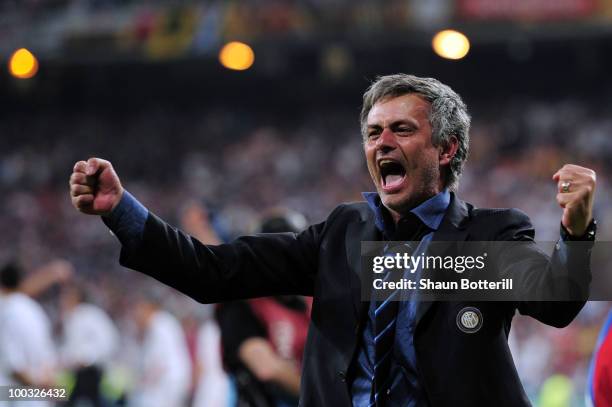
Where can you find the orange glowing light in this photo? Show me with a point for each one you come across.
(23, 64)
(237, 56)
(451, 44)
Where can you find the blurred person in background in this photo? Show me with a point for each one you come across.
(212, 383)
(43, 278)
(164, 369)
(90, 341)
(27, 353)
(599, 385)
(263, 339)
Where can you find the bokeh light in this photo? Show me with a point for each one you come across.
(451, 44)
(237, 56)
(23, 64)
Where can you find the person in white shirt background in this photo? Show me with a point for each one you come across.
(213, 384)
(164, 374)
(90, 341)
(27, 352)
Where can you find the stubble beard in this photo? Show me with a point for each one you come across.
(428, 186)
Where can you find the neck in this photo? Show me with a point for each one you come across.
(415, 201)
(397, 215)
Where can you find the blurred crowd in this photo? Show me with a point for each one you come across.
(219, 172)
(168, 29)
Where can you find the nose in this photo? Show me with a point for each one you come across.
(386, 141)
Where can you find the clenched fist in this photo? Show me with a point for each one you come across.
(576, 189)
(95, 188)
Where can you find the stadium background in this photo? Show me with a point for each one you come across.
(139, 83)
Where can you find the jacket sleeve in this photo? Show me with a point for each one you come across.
(250, 266)
(551, 288)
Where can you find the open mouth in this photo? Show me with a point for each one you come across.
(392, 174)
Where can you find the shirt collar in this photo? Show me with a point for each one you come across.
(431, 212)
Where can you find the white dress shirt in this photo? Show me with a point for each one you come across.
(90, 337)
(26, 345)
(165, 369)
(213, 385)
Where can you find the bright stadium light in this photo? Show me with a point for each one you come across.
(237, 56)
(450, 44)
(23, 64)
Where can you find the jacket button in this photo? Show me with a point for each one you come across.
(342, 376)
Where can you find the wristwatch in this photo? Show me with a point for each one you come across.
(588, 236)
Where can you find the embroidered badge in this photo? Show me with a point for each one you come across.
(469, 320)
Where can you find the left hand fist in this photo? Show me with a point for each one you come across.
(576, 186)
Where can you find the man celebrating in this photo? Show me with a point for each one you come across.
(364, 353)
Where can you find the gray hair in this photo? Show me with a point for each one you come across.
(448, 116)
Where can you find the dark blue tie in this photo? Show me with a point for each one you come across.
(409, 229)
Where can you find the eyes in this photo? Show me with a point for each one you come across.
(401, 130)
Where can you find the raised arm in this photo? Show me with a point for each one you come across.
(250, 266)
(550, 283)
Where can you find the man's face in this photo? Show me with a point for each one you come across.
(403, 162)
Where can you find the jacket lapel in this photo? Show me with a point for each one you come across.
(452, 229)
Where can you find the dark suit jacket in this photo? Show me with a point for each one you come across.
(455, 368)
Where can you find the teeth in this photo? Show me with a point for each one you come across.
(383, 162)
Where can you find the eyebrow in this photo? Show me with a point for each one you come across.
(395, 123)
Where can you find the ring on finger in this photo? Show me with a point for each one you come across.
(565, 186)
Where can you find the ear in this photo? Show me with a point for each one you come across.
(448, 150)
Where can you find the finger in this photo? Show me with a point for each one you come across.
(83, 201)
(561, 172)
(581, 185)
(81, 179)
(564, 198)
(574, 171)
(80, 166)
(577, 181)
(76, 190)
(567, 171)
(96, 165)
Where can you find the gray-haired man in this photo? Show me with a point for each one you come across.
(365, 353)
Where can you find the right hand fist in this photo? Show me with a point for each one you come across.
(95, 188)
